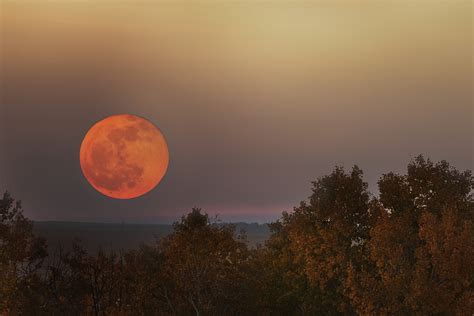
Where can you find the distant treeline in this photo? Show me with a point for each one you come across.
(125, 236)
(409, 251)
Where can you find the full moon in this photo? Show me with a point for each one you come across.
(124, 156)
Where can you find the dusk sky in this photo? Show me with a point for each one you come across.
(256, 99)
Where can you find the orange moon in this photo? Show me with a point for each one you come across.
(124, 156)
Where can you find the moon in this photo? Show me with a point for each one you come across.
(124, 156)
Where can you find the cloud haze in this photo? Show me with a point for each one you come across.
(256, 100)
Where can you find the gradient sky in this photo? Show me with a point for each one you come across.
(256, 98)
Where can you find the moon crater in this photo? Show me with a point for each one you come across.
(124, 156)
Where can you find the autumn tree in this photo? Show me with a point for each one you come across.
(282, 285)
(205, 268)
(408, 251)
(65, 287)
(421, 246)
(21, 257)
(314, 245)
(77, 282)
(147, 289)
(201, 268)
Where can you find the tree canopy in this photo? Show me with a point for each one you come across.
(409, 250)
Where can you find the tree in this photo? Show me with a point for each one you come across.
(147, 289)
(80, 283)
(65, 286)
(410, 251)
(320, 240)
(21, 257)
(444, 266)
(282, 285)
(421, 246)
(205, 268)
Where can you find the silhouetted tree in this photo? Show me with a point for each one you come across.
(80, 283)
(146, 290)
(66, 289)
(21, 257)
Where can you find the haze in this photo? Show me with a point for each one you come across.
(256, 99)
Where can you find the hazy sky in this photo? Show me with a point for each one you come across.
(256, 98)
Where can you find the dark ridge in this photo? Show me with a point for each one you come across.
(124, 236)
